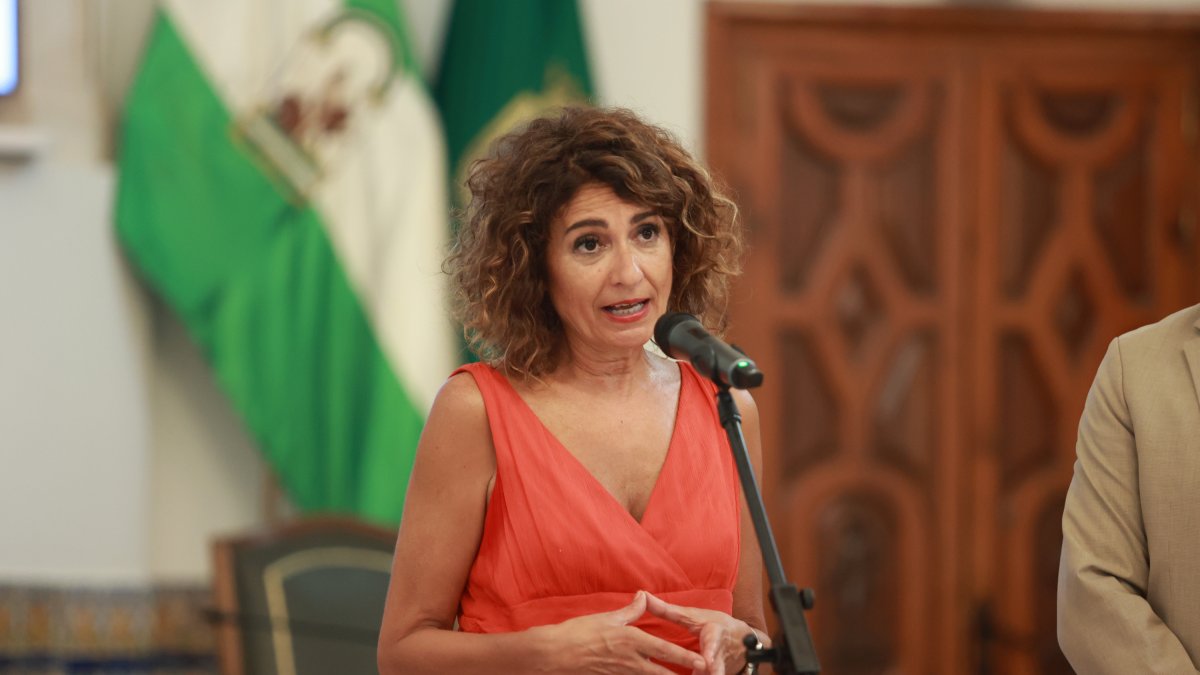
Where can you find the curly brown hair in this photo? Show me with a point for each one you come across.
(497, 263)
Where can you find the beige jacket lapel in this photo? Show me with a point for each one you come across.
(1191, 350)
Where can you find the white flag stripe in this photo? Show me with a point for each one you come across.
(388, 222)
(387, 219)
(239, 44)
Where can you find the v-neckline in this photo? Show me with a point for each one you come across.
(609, 496)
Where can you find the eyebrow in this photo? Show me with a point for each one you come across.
(596, 222)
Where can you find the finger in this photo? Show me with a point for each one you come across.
(629, 613)
(710, 642)
(665, 610)
(669, 652)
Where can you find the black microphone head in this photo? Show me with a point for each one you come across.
(665, 324)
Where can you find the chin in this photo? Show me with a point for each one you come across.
(632, 340)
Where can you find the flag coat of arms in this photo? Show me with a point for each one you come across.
(282, 188)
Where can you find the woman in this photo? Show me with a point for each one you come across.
(574, 504)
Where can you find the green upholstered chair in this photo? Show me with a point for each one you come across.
(303, 599)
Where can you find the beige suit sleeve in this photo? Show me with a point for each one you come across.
(1105, 624)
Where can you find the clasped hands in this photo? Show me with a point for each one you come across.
(606, 643)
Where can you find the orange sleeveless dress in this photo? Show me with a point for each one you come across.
(557, 545)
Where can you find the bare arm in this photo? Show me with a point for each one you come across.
(1105, 624)
(439, 537)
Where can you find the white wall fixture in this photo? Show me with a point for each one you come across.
(21, 143)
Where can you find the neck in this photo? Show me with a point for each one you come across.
(609, 371)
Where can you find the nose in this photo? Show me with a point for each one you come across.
(627, 267)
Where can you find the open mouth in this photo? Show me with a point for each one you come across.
(626, 308)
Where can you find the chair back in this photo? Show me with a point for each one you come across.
(303, 599)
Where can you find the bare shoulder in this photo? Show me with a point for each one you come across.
(458, 425)
(459, 396)
(746, 405)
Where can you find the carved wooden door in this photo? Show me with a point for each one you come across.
(948, 221)
(849, 170)
(1083, 175)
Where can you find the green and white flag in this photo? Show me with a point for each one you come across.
(282, 187)
(504, 63)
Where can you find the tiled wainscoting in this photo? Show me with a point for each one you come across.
(53, 630)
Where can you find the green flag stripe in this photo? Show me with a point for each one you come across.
(496, 50)
(257, 284)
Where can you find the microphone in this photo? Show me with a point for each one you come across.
(681, 335)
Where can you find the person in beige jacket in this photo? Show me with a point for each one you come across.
(1129, 579)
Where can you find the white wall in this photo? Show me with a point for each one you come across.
(73, 420)
(648, 56)
(119, 458)
(73, 446)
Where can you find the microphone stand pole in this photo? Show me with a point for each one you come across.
(792, 653)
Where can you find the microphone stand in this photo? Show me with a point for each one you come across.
(792, 653)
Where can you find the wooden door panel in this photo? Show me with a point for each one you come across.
(1076, 165)
(951, 213)
(851, 288)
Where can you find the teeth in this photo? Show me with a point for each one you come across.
(625, 310)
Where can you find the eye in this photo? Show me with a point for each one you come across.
(589, 243)
(648, 231)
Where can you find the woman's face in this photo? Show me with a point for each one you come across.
(609, 267)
